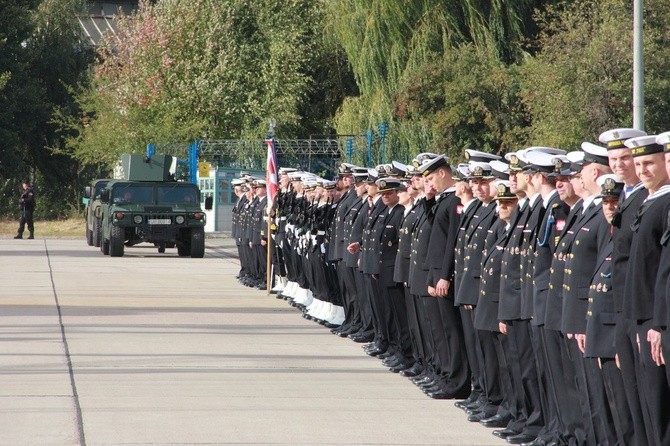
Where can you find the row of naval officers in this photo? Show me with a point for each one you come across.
(530, 288)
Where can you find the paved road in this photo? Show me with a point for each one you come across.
(153, 349)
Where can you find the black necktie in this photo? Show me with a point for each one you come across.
(638, 215)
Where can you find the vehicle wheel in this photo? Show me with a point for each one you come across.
(116, 239)
(161, 248)
(198, 243)
(89, 235)
(183, 250)
(104, 246)
(96, 236)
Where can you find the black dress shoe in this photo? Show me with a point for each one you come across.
(400, 368)
(496, 421)
(476, 417)
(415, 370)
(461, 404)
(362, 338)
(504, 433)
(440, 395)
(520, 438)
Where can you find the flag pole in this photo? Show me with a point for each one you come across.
(268, 274)
(272, 188)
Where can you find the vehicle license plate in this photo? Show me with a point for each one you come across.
(159, 221)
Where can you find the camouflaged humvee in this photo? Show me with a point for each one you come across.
(166, 213)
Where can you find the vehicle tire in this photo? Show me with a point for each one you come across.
(89, 235)
(161, 248)
(97, 234)
(198, 243)
(116, 239)
(104, 246)
(183, 250)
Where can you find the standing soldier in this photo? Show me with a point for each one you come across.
(27, 206)
(622, 163)
(650, 222)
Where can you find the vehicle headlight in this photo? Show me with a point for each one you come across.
(137, 219)
(179, 219)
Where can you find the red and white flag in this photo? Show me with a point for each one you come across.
(271, 173)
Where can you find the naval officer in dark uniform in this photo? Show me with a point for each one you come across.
(648, 227)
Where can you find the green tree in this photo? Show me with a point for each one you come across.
(41, 59)
(182, 70)
(580, 82)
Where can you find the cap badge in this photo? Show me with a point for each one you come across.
(382, 184)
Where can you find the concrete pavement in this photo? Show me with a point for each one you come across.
(153, 349)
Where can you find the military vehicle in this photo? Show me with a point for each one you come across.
(149, 206)
(92, 211)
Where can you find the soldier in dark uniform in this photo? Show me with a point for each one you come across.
(567, 420)
(279, 230)
(386, 231)
(437, 254)
(354, 224)
(413, 209)
(27, 207)
(622, 164)
(638, 311)
(541, 247)
(591, 233)
(240, 191)
(480, 351)
(336, 248)
(601, 321)
(662, 307)
(486, 313)
(259, 233)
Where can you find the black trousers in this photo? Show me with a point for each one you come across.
(472, 352)
(628, 360)
(526, 381)
(413, 305)
(26, 219)
(399, 336)
(490, 370)
(654, 391)
(616, 397)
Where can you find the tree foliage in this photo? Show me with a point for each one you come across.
(40, 60)
(182, 70)
(580, 83)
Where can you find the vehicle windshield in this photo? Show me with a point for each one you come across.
(133, 193)
(99, 186)
(176, 194)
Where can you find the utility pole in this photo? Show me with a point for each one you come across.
(638, 66)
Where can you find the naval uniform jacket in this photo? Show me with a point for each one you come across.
(545, 246)
(444, 230)
(527, 257)
(237, 218)
(401, 268)
(661, 306)
(337, 238)
(553, 314)
(486, 312)
(645, 253)
(418, 260)
(259, 226)
(466, 216)
(601, 319)
(355, 220)
(369, 255)
(591, 234)
(387, 232)
(510, 286)
(622, 237)
(475, 238)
